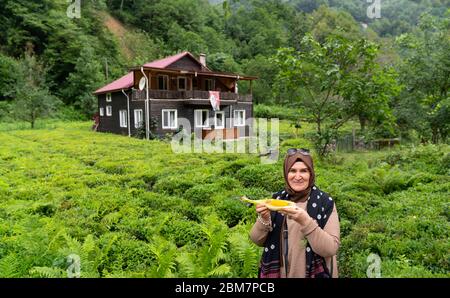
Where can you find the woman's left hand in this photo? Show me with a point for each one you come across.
(296, 213)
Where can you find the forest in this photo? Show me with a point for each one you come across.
(74, 56)
(327, 69)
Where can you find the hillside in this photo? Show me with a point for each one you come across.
(133, 208)
(118, 203)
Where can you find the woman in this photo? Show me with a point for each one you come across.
(300, 241)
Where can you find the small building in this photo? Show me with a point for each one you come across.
(175, 92)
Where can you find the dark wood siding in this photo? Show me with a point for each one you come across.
(186, 63)
(136, 105)
(112, 123)
(185, 110)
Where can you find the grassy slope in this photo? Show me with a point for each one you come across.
(133, 208)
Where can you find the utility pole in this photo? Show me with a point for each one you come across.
(106, 67)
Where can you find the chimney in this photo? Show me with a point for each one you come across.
(203, 59)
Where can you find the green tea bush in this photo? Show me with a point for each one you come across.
(265, 111)
(125, 205)
(233, 211)
(183, 232)
(257, 193)
(112, 167)
(445, 165)
(202, 193)
(129, 254)
(231, 168)
(161, 202)
(44, 209)
(228, 183)
(390, 179)
(268, 177)
(420, 178)
(175, 185)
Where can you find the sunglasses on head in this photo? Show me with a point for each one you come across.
(303, 151)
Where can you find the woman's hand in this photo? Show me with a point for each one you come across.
(296, 213)
(262, 210)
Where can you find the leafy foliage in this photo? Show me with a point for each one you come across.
(60, 196)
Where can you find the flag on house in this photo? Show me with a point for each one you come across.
(214, 98)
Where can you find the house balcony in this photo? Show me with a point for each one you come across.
(190, 95)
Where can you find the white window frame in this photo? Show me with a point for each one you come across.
(137, 124)
(166, 81)
(223, 120)
(108, 97)
(108, 110)
(185, 83)
(236, 118)
(102, 112)
(175, 124)
(213, 83)
(123, 119)
(201, 123)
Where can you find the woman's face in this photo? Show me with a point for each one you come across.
(298, 176)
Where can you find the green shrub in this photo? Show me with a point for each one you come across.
(130, 255)
(175, 185)
(275, 111)
(183, 232)
(268, 177)
(231, 168)
(201, 194)
(420, 178)
(232, 211)
(390, 179)
(44, 209)
(445, 165)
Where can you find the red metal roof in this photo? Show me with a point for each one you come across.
(164, 62)
(124, 82)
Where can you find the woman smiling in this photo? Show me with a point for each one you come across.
(303, 240)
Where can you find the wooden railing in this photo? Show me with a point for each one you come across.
(191, 94)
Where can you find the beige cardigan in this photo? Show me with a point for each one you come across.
(325, 242)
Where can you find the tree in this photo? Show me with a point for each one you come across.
(85, 79)
(33, 98)
(8, 76)
(334, 82)
(425, 72)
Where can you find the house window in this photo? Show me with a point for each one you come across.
(108, 97)
(163, 82)
(182, 83)
(220, 120)
(169, 119)
(239, 117)
(123, 118)
(102, 112)
(137, 118)
(209, 84)
(108, 110)
(201, 118)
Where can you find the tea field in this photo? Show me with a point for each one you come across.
(133, 208)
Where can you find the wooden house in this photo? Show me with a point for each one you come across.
(155, 97)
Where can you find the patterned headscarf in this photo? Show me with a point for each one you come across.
(289, 161)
